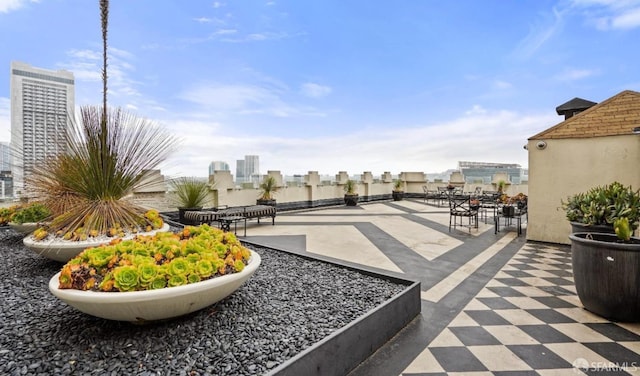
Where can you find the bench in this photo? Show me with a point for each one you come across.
(247, 212)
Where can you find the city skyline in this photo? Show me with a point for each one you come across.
(333, 86)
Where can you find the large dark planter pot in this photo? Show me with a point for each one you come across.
(607, 275)
(351, 200)
(271, 202)
(581, 227)
(181, 212)
(397, 195)
(508, 211)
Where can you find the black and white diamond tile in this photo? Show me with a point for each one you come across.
(528, 320)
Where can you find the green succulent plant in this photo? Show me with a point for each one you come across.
(604, 205)
(31, 213)
(152, 262)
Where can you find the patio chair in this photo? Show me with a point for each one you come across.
(460, 207)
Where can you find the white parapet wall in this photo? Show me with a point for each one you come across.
(312, 192)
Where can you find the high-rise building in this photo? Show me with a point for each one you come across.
(240, 171)
(218, 166)
(248, 169)
(252, 168)
(5, 156)
(42, 103)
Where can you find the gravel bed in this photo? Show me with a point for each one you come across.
(289, 304)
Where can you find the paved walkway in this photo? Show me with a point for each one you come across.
(492, 304)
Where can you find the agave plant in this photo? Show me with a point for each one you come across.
(268, 188)
(190, 192)
(108, 151)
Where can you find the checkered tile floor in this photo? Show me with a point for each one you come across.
(528, 320)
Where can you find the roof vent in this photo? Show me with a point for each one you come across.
(574, 107)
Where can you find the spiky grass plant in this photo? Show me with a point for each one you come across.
(268, 188)
(105, 161)
(190, 192)
(108, 152)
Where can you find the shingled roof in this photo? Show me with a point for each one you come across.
(617, 115)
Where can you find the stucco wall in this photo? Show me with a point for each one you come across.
(568, 166)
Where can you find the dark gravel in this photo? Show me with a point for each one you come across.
(289, 304)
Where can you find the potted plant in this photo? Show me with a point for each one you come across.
(7, 213)
(351, 196)
(107, 154)
(606, 266)
(268, 188)
(26, 218)
(189, 194)
(398, 192)
(597, 209)
(164, 276)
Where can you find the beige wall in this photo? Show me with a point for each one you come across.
(568, 166)
(224, 191)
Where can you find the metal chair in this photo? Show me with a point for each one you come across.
(460, 207)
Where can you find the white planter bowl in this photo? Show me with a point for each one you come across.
(65, 250)
(142, 306)
(24, 228)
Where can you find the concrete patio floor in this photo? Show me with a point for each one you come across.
(492, 304)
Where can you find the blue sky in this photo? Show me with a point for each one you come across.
(328, 86)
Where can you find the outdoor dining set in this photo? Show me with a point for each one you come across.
(467, 208)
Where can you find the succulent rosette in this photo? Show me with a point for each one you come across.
(153, 262)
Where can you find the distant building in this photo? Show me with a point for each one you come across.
(218, 166)
(482, 172)
(6, 184)
(248, 169)
(5, 156)
(42, 103)
(240, 178)
(252, 168)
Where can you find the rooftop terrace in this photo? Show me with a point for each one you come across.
(491, 303)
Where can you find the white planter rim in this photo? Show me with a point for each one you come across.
(146, 295)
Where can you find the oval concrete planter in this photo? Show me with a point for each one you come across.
(63, 250)
(24, 228)
(150, 305)
(607, 275)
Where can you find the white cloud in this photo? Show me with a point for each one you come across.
(315, 90)
(7, 6)
(244, 100)
(217, 4)
(476, 110)
(202, 20)
(479, 135)
(539, 34)
(575, 74)
(86, 66)
(610, 14)
(502, 85)
(627, 20)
